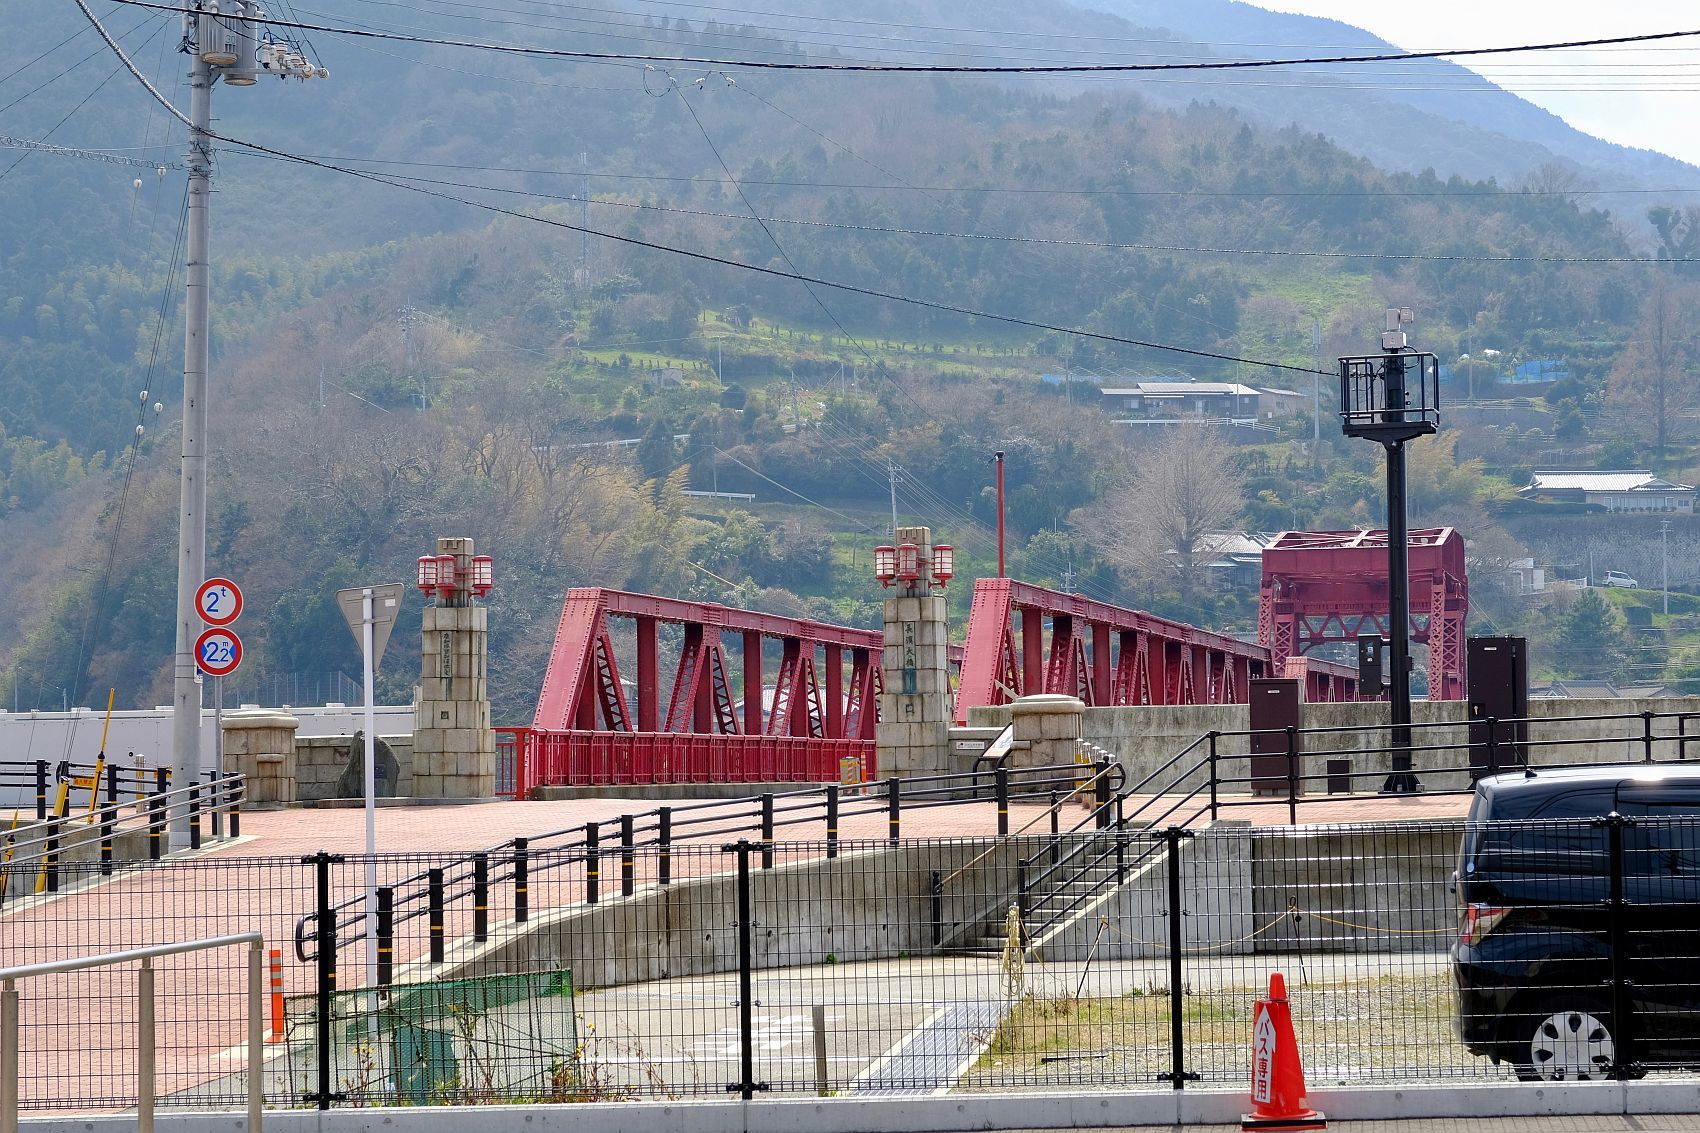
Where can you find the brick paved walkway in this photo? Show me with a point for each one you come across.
(467, 827)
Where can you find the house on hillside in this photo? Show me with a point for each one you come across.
(1233, 560)
(1175, 398)
(1618, 491)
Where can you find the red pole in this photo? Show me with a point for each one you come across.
(998, 457)
(276, 1035)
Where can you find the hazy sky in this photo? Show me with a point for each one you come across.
(1647, 97)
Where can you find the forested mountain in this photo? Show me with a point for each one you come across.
(433, 347)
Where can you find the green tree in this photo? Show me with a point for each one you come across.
(1589, 640)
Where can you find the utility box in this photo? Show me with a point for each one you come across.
(1276, 704)
(1497, 679)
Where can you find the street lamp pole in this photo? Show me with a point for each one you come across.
(1393, 398)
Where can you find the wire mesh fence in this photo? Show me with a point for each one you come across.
(1099, 958)
(79, 1031)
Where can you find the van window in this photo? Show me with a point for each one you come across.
(1533, 834)
(1664, 840)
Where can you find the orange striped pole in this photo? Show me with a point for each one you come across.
(277, 996)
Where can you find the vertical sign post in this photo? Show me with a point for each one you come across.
(370, 612)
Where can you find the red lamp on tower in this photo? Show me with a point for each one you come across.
(447, 582)
(885, 564)
(427, 580)
(944, 563)
(483, 574)
(908, 562)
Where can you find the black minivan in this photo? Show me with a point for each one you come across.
(1548, 954)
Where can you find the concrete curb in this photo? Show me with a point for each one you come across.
(956, 1113)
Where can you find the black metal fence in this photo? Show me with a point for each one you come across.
(605, 854)
(870, 968)
(1220, 771)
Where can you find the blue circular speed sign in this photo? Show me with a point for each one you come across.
(218, 651)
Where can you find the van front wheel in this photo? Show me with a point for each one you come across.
(1565, 1040)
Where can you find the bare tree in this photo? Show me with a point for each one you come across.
(1653, 376)
(1153, 521)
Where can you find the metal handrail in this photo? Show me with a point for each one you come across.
(145, 1031)
(1166, 797)
(722, 818)
(41, 846)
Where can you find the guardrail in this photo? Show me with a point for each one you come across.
(42, 776)
(41, 846)
(145, 1036)
(429, 893)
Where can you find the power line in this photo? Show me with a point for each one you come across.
(98, 87)
(91, 155)
(1049, 241)
(45, 83)
(792, 491)
(724, 261)
(955, 69)
(921, 487)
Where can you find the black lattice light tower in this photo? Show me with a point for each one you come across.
(1392, 398)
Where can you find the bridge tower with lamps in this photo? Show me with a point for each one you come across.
(454, 748)
(913, 736)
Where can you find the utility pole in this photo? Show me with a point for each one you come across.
(1664, 560)
(410, 315)
(1315, 386)
(192, 488)
(891, 476)
(221, 46)
(584, 217)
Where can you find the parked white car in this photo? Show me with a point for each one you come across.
(1618, 578)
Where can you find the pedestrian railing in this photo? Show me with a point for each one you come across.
(31, 856)
(146, 1037)
(520, 862)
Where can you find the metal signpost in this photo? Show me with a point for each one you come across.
(370, 612)
(217, 652)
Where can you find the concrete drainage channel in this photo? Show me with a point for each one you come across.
(937, 1114)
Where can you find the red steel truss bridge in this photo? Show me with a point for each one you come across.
(691, 716)
(682, 722)
(1323, 586)
(1025, 639)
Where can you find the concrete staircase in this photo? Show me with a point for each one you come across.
(1084, 869)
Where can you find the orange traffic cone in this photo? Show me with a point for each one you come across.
(1277, 1079)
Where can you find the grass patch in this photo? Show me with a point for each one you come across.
(1356, 1030)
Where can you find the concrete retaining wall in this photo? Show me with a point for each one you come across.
(866, 905)
(1243, 890)
(1298, 889)
(1146, 738)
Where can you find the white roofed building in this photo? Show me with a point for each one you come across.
(1620, 491)
(1174, 398)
